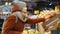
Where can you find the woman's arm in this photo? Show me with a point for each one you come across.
(27, 19)
(37, 20)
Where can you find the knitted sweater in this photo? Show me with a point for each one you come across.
(10, 27)
(17, 28)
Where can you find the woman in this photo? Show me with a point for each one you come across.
(19, 10)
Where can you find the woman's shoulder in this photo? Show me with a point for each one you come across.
(12, 17)
(17, 12)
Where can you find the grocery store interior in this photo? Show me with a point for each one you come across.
(35, 8)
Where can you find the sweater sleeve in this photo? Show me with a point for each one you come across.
(9, 25)
(37, 20)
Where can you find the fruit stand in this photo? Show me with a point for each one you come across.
(52, 23)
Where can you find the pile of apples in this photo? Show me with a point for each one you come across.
(46, 14)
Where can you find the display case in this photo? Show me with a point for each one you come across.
(52, 23)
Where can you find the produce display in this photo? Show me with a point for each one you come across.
(31, 31)
(52, 19)
(46, 14)
(50, 24)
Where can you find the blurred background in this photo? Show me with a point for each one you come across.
(35, 7)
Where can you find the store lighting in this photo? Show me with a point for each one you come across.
(50, 4)
(9, 3)
(6, 3)
(36, 12)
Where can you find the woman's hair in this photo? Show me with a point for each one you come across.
(15, 8)
(18, 6)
